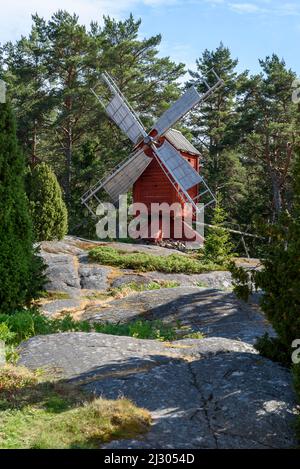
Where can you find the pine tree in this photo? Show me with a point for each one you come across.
(214, 124)
(20, 268)
(217, 245)
(26, 74)
(279, 278)
(269, 130)
(48, 210)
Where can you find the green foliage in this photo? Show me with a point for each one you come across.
(215, 125)
(28, 323)
(147, 262)
(217, 245)
(6, 334)
(25, 324)
(279, 281)
(268, 124)
(243, 281)
(48, 210)
(139, 287)
(62, 123)
(279, 278)
(21, 270)
(139, 329)
(37, 412)
(274, 349)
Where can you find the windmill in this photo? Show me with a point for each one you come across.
(163, 154)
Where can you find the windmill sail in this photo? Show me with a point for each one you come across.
(125, 176)
(120, 113)
(181, 107)
(182, 172)
(179, 172)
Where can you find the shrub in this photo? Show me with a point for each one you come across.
(28, 323)
(6, 334)
(139, 329)
(48, 210)
(279, 280)
(25, 324)
(14, 378)
(148, 262)
(20, 268)
(217, 245)
(273, 348)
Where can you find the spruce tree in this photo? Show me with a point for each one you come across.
(217, 245)
(48, 210)
(20, 268)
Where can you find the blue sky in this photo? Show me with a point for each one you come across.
(251, 28)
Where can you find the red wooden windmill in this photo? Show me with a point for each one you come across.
(164, 165)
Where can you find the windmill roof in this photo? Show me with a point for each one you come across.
(178, 140)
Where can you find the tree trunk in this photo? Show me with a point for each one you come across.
(277, 196)
(69, 148)
(34, 145)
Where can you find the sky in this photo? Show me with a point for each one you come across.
(252, 29)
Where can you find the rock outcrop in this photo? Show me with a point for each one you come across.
(215, 392)
(207, 393)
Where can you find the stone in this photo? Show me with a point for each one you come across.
(144, 248)
(57, 306)
(93, 277)
(202, 393)
(216, 279)
(2, 353)
(215, 313)
(66, 246)
(216, 392)
(62, 273)
(131, 278)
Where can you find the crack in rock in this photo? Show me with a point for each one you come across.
(204, 401)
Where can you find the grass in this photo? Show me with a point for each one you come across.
(142, 262)
(134, 287)
(130, 288)
(55, 295)
(36, 412)
(140, 329)
(28, 323)
(202, 285)
(222, 288)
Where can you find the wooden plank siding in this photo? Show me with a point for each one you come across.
(153, 186)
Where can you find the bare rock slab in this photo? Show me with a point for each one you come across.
(217, 279)
(215, 313)
(209, 393)
(57, 306)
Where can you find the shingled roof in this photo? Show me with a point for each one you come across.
(178, 140)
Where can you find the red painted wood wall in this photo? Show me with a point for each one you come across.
(153, 186)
